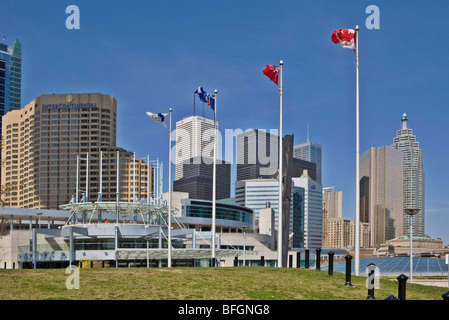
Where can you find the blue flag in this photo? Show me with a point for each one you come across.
(206, 97)
(201, 93)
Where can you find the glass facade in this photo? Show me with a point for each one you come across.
(311, 152)
(381, 191)
(313, 211)
(298, 197)
(413, 177)
(10, 77)
(203, 209)
(255, 194)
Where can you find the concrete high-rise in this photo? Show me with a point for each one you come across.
(381, 193)
(332, 209)
(413, 177)
(333, 202)
(49, 141)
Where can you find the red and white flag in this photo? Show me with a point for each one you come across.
(346, 38)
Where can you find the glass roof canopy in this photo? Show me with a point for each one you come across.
(123, 207)
(394, 266)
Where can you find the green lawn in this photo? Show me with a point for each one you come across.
(237, 283)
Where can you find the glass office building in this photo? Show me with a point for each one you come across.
(256, 193)
(313, 211)
(311, 152)
(381, 193)
(10, 77)
(413, 178)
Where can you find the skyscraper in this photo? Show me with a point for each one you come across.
(47, 144)
(258, 156)
(381, 193)
(413, 177)
(197, 179)
(311, 152)
(10, 77)
(332, 209)
(194, 138)
(313, 211)
(256, 193)
(333, 202)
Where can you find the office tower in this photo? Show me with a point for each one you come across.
(311, 152)
(194, 138)
(413, 177)
(338, 233)
(258, 156)
(333, 202)
(313, 211)
(297, 216)
(197, 179)
(381, 193)
(256, 193)
(332, 209)
(57, 138)
(10, 77)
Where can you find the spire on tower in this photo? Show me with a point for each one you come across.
(404, 120)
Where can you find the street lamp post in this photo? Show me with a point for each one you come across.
(411, 212)
(148, 250)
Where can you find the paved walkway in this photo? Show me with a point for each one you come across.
(436, 283)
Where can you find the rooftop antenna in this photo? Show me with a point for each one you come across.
(308, 133)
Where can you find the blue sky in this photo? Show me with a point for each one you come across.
(152, 55)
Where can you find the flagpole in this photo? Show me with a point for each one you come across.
(169, 195)
(280, 231)
(357, 186)
(214, 182)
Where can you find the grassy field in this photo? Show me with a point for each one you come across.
(238, 283)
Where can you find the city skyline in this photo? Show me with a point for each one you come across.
(156, 55)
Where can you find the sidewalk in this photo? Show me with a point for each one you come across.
(436, 283)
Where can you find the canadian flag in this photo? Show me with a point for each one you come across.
(346, 38)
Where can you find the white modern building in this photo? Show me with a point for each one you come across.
(194, 138)
(313, 211)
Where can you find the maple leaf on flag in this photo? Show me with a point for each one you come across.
(346, 38)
